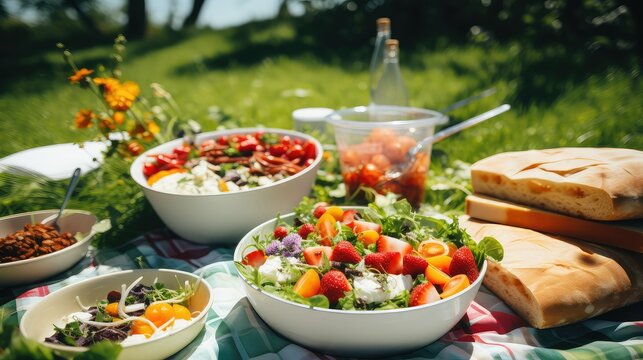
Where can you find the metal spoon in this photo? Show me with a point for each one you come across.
(441, 135)
(70, 189)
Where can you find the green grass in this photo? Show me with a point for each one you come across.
(560, 97)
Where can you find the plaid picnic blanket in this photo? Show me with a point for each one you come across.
(234, 331)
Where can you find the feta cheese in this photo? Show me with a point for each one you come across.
(274, 271)
(372, 288)
(77, 316)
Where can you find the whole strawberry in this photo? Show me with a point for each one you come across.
(463, 262)
(334, 284)
(413, 265)
(344, 251)
(389, 262)
(305, 230)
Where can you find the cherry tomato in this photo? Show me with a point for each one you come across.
(319, 211)
(159, 314)
(181, 312)
(310, 150)
(285, 140)
(249, 144)
(142, 328)
(297, 142)
(258, 135)
(134, 148)
(370, 175)
(309, 162)
(278, 150)
(381, 161)
(394, 151)
(150, 169)
(295, 152)
(223, 140)
(349, 158)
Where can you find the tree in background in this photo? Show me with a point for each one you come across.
(136, 19)
(190, 21)
(53, 9)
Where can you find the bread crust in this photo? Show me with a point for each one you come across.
(592, 183)
(552, 281)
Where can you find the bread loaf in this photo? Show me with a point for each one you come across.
(592, 183)
(552, 281)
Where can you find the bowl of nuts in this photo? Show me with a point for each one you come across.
(31, 251)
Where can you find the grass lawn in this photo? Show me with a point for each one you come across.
(560, 97)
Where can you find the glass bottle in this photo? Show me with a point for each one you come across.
(390, 89)
(377, 61)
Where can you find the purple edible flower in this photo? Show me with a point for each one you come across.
(291, 245)
(274, 248)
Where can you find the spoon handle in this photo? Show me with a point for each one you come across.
(70, 190)
(441, 135)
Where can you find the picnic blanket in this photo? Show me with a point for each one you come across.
(233, 330)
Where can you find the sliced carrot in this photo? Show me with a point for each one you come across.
(441, 262)
(368, 237)
(435, 275)
(454, 286)
(112, 309)
(430, 248)
(308, 284)
(326, 225)
(336, 212)
(163, 173)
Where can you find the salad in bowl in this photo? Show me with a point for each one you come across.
(362, 267)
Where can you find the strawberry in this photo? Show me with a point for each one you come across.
(389, 262)
(387, 243)
(348, 218)
(334, 284)
(344, 251)
(413, 265)
(319, 211)
(254, 259)
(463, 262)
(315, 254)
(280, 232)
(359, 226)
(305, 229)
(424, 293)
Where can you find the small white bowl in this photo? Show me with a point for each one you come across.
(35, 269)
(224, 218)
(38, 322)
(354, 332)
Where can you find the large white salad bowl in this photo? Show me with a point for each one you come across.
(224, 218)
(39, 268)
(355, 332)
(38, 322)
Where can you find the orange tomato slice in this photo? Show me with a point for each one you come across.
(159, 314)
(308, 284)
(441, 262)
(181, 312)
(326, 226)
(368, 237)
(112, 309)
(436, 276)
(430, 248)
(163, 173)
(454, 285)
(336, 212)
(142, 328)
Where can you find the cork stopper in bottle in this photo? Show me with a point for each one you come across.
(383, 24)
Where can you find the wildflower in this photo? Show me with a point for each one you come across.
(80, 75)
(106, 124)
(153, 127)
(122, 96)
(291, 245)
(274, 248)
(119, 117)
(106, 84)
(84, 118)
(134, 148)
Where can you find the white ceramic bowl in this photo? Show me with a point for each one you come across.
(353, 332)
(38, 322)
(225, 218)
(41, 267)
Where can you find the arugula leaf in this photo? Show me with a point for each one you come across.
(70, 332)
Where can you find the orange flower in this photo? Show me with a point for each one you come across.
(152, 127)
(106, 84)
(80, 75)
(122, 96)
(119, 117)
(106, 124)
(134, 148)
(84, 118)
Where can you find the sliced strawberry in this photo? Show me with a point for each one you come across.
(413, 265)
(345, 252)
(348, 218)
(387, 243)
(334, 284)
(360, 225)
(463, 262)
(389, 262)
(315, 254)
(424, 293)
(254, 259)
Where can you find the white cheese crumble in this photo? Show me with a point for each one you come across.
(372, 288)
(274, 271)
